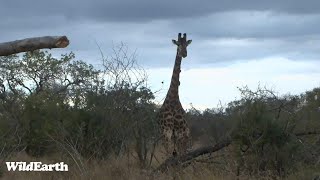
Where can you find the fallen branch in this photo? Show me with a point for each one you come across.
(175, 161)
(183, 160)
(307, 133)
(31, 44)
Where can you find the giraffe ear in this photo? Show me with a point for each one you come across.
(189, 42)
(175, 42)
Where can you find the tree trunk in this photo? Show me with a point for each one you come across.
(31, 44)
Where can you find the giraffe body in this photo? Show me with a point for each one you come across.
(171, 117)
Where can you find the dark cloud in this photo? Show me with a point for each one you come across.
(128, 10)
(251, 24)
(222, 31)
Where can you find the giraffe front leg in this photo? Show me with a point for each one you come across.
(167, 144)
(184, 145)
(184, 142)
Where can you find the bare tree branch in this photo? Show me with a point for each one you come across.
(307, 133)
(31, 44)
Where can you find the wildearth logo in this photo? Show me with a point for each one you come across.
(36, 166)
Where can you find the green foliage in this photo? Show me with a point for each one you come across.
(42, 116)
(267, 130)
(65, 105)
(264, 131)
(118, 117)
(67, 100)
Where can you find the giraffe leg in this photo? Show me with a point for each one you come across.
(167, 134)
(188, 139)
(184, 143)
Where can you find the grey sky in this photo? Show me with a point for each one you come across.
(224, 32)
(128, 10)
(287, 28)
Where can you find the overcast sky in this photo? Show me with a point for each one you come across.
(235, 43)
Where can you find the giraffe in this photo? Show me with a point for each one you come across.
(171, 118)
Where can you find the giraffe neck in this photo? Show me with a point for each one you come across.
(173, 91)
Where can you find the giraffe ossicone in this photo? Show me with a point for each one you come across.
(171, 118)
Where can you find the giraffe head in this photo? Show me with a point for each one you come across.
(182, 44)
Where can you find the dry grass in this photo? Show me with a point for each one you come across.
(127, 167)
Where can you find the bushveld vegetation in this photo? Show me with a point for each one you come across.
(102, 123)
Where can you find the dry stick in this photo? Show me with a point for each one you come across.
(31, 44)
(307, 133)
(154, 147)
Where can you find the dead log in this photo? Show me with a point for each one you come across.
(31, 44)
(307, 133)
(183, 160)
(175, 161)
